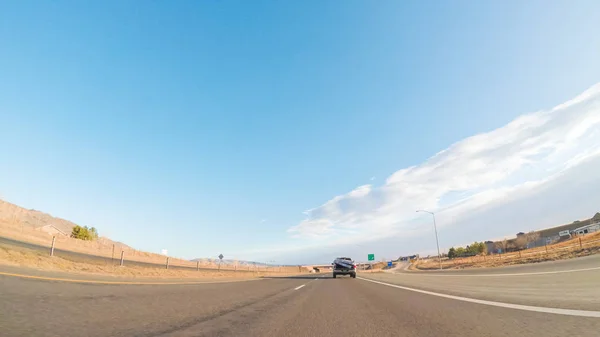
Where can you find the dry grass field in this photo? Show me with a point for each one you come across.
(26, 225)
(575, 247)
(15, 256)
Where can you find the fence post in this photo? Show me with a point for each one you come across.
(198, 265)
(112, 259)
(519, 254)
(52, 248)
(167, 266)
(546, 248)
(235, 267)
(122, 256)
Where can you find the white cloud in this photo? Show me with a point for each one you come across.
(480, 171)
(312, 228)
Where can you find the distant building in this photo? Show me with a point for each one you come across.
(587, 229)
(53, 230)
(489, 247)
(551, 235)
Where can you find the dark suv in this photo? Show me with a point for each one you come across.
(344, 266)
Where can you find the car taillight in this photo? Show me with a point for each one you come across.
(354, 266)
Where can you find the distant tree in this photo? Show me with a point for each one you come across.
(93, 233)
(505, 245)
(532, 237)
(521, 242)
(460, 251)
(451, 253)
(84, 233)
(481, 248)
(510, 245)
(77, 232)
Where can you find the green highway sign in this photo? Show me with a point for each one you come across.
(371, 257)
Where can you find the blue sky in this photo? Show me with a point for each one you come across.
(247, 128)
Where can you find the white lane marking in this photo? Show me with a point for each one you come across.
(493, 275)
(569, 312)
(299, 287)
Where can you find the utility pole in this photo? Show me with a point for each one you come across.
(436, 236)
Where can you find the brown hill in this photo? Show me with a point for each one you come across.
(31, 218)
(14, 218)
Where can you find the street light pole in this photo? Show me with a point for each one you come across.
(437, 242)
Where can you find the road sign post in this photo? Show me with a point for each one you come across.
(220, 260)
(371, 257)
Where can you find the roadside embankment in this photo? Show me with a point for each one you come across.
(576, 247)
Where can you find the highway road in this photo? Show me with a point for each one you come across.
(565, 302)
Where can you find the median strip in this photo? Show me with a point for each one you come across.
(558, 311)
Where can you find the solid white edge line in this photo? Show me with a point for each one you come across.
(558, 311)
(299, 287)
(493, 275)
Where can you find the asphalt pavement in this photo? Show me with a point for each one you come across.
(311, 305)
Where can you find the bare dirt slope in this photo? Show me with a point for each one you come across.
(28, 225)
(588, 244)
(31, 218)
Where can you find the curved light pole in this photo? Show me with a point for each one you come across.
(436, 235)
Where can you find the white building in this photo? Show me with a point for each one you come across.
(51, 229)
(595, 227)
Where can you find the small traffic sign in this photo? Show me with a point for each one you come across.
(221, 256)
(371, 257)
(390, 263)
